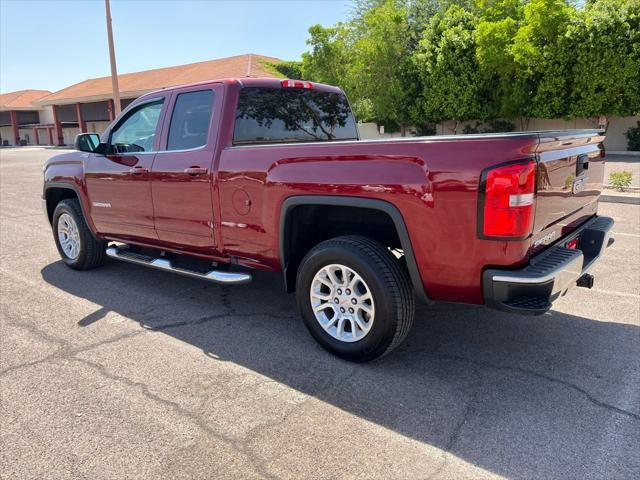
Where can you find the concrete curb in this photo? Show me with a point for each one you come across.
(629, 199)
(632, 153)
(628, 189)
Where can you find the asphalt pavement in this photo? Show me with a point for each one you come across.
(127, 372)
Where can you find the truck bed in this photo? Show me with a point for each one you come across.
(433, 181)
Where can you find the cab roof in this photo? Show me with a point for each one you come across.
(266, 82)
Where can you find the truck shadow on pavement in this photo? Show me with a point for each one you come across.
(524, 397)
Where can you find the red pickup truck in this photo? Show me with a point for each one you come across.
(214, 179)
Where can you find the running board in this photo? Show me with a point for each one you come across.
(215, 276)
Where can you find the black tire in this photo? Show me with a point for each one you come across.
(388, 282)
(92, 251)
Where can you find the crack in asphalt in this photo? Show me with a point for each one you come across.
(243, 446)
(209, 318)
(238, 446)
(65, 348)
(455, 434)
(40, 333)
(63, 351)
(12, 217)
(225, 297)
(329, 385)
(547, 378)
(63, 344)
(457, 430)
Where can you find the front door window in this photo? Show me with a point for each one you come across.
(137, 131)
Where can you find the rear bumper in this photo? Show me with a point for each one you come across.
(532, 290)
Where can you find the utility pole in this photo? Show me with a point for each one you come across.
(112, 59)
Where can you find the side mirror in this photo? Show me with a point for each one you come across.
(88, 142)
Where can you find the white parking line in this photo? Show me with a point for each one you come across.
(613, 292)
(627, 234)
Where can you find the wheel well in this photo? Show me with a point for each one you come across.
(54, 196)
(305, 226)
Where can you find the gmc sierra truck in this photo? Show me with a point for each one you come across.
(214, 179)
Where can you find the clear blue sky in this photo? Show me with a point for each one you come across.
(52, 44)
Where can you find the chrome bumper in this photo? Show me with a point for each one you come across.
(532, 290)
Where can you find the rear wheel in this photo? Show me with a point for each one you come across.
(77, 246)
(355, 298)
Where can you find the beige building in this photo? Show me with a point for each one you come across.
(24, 123)
(88, 106)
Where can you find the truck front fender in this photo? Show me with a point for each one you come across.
(48, 197)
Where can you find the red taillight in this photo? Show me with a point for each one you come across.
(296, 84)
(509, 197)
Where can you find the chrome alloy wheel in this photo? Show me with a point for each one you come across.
(342, 303)
(68, 236)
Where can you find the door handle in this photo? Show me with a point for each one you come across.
(138, 170)
(195, 171)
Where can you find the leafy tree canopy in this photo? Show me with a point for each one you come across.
(605, 44)
(288, 69)
(381, 62)
(328, 59)
(423, 61)
(454, 86)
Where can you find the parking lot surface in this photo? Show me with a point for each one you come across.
(127, 372)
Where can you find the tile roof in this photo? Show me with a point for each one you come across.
(135, 84)
(21, 100)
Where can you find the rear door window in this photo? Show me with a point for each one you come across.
(277, 115)
(190, 120)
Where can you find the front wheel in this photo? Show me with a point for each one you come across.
(77, 246)
(355, 298)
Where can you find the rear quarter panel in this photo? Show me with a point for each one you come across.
(433, 183)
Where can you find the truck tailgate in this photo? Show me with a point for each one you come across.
(569, 182)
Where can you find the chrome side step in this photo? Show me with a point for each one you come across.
(215, 276)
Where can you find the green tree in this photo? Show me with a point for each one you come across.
(454, 88)
(371, 56)
(380, 64)
(542, 59)
(291, 69)
(497, 26)
(605, 46)
(420, 61)
(328, 60)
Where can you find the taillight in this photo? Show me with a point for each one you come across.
(508, 199)
(572, 244)
(296, 84)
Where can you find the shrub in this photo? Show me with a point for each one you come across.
(497, 126)
(494, 126)
(633, 138)
(390, 127)
(620, 180)
(286, 69)
(468, 129)
(425, 130)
